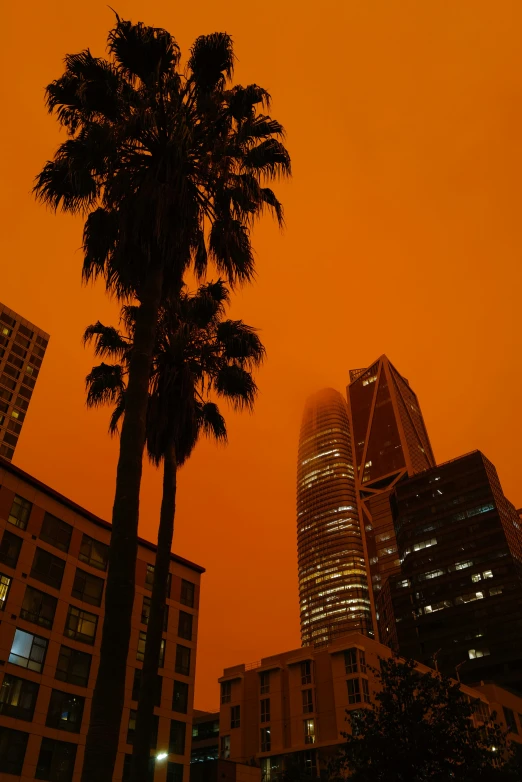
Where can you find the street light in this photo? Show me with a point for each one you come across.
(162, 755)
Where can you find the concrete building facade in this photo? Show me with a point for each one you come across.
(290, 709)
(22, 349)
(53, 562)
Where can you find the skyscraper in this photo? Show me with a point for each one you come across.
(333, 586)
(458, 598)
(390, 443)
(22, 348)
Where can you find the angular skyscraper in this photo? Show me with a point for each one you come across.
(333, 585)
(390, 443)
(22, 348)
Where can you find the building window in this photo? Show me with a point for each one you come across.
(265, 710)
(145, 610)
(185, 625)
(20, 512)
(81, 625)
(264, 681)
(187, 593)
(178, 731)
(56, 532)
(65, 711)
(10, 549)
(56, 761)
(47, 568)
(136, 684)
(87, 588)
(350, 660)
(38, 607)
(131, 729)
(308, 701)
(306, 672)
(366, 690)
(225, 747)
(5, 583)
(180, 697)
(511, 722)
(140, 654)
(13, 744)
(94, 553)
(309, 731)
(362, 660)
(354, 692)
(73, 666)
(149, 577)
(28, 651)
(235, 716)
(18, 697)
(476, 653)
(182, 660)
(175, 772)
(226, 692)
(266, 743)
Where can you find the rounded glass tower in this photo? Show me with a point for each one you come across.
(333, 582)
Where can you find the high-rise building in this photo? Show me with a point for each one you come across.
(333, 587)
(390, 443)
(53, 566)
(22, 348)
(458, 599)
(287, 712)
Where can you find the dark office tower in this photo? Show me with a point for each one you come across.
(333, 586)
(391, 442)
(458, 599)
(22, 348)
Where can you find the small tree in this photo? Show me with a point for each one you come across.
(420, 727)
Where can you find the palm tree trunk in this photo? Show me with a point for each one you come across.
(108, 697)
(147, 695)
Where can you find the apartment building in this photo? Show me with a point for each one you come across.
(53, 566)
(289, 710)
(22, 349)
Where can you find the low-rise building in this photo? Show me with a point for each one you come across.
(291, 708)
(205, 736)
(53, 566)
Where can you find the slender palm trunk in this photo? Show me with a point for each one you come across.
(107, 703)
(147, 695)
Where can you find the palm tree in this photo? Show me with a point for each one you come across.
(197, 352)
(170, 167)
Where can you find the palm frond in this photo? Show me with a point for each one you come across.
(237, 385)
(212, 61)
(104, 384)
(108, 341)
(269, 158)
(230, 249)
(143, 52)
(241, 100)
(241, 342)
(212, 422)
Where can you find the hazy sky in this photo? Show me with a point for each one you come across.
(404, 122)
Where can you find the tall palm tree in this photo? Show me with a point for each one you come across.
(169, 165)
(197, 352)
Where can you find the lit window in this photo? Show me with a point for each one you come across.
(309, 731)
(5, 583)
(81, 625)
(469, 597)
(476, 653)
(140, 653)
(28, 651)
(495, 591)
(487, 574)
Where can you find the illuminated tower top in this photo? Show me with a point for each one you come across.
(333, 586)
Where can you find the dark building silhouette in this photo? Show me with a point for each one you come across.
(333, 586)
(205, 736)
(22, 348)
(457, 602)
(390, 444)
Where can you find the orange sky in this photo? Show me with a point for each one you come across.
(404, 122)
